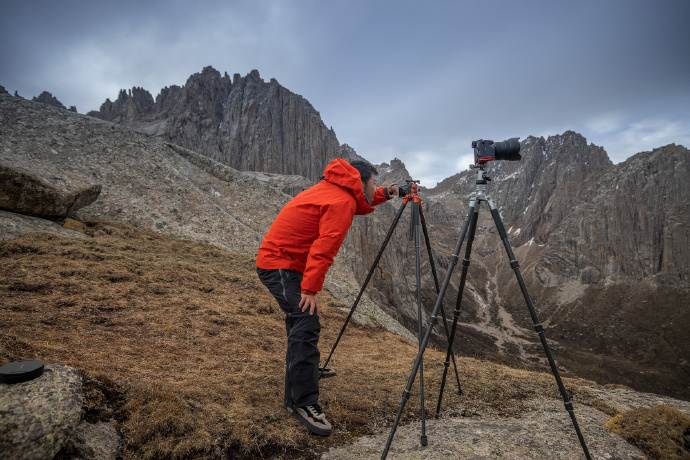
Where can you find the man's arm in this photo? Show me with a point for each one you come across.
(384, 194)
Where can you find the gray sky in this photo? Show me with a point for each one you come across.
(416, 80)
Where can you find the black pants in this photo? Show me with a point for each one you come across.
(302, 357)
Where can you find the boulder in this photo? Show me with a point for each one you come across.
(36, 417)
(35, 188)
(13, 225)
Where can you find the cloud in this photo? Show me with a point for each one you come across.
(625, 134)
(645, 135)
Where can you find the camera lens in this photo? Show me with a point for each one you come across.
(508, 150)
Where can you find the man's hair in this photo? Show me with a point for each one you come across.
(366, 169)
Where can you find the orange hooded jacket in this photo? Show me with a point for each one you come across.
(309, 230)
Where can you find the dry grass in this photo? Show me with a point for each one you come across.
(661, 432)
(185, 347)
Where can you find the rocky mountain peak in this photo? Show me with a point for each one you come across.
(46, 98)
(643, 198)
(248, 124)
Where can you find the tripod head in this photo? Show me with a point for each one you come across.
(403, 190)
(482, 181)
(409, 191)
(482, 175)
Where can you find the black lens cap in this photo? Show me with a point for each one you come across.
(21, 371)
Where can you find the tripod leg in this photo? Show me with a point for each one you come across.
(432, 321)
(418, 266)
(366, 282)
(537, 325)
(456, 312)
(443, 310)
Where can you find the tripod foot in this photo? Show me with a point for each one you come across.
(424, 441)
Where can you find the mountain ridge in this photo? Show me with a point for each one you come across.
(245, 123)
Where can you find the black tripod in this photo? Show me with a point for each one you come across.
(471, 223)
(417, 221)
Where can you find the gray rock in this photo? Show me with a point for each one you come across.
(14, 225)
(100, 440)
(38, 188)
(38, 416)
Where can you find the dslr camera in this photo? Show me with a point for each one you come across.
(486, 150)
(403, 190)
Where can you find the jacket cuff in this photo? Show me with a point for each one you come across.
(308, 292)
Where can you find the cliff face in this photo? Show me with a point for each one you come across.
(631, 223)
(246, 123)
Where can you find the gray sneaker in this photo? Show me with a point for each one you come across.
(312, 417)
(326, 372)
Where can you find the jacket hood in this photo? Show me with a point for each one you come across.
(339, 172)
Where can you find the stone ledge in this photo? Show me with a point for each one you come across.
(39, 415)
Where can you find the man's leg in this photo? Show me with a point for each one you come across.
(302, 357)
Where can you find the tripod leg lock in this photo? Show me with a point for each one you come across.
(432, 321)
(465, 262)
(539, 328)
(405, 395)
(514, 264)
(454, 259)
(568, 406)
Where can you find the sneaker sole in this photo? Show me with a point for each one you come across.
(313, 429)
(326, 374)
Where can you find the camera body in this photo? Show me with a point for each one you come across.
(404, 190)
(486, 150)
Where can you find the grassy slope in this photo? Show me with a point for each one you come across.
(184, 346)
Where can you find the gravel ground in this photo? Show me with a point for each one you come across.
(545, 431)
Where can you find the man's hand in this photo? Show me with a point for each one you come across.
(310, 302)
(393, 189)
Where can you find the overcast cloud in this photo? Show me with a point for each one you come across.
(413, 80)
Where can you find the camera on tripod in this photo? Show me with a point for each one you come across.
(403, 190)
(486, 150)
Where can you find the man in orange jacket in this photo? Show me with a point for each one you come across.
(292, 263)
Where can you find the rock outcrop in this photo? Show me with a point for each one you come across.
(13, 225)
(38, 416)
(46, 98)
(33, 187)
(246, 123)
(631, 223)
